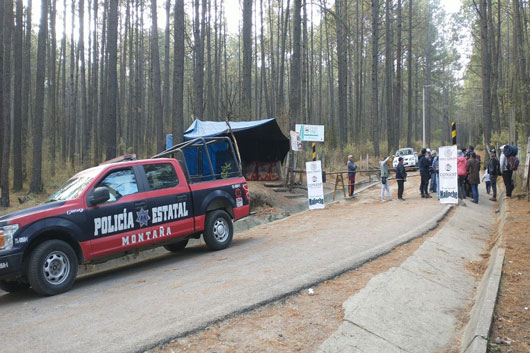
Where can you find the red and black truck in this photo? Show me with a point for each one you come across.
(123, 206)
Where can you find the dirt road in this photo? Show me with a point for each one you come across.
(136, 307)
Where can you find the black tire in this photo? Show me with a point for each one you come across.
(218, 230)
(52, 267)
(178, 246)
(13, 286)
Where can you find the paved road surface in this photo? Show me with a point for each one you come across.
(136, 307)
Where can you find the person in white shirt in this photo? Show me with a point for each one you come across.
(486, 179)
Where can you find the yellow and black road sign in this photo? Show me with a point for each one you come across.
(314, 145)
(453, 132)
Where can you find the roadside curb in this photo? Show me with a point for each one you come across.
(477, 330)
(344, 266)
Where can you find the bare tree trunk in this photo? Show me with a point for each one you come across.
(178, 73)
(342, 58)
(389, 74)
(36, 176)
(398, 87)
(18, 104)
(198, 37)
(5, 40)
(281, 76)
(52, 100)
(166, 100)
(157, 94)
(294, 89)
(375, 61)
(26, 92)
(486, 71)
(409, 84)
(85, 142)
(247, 58)
(72, 118)
(112, 47)
(263, 66)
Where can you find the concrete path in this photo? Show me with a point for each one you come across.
(421, 305)
(137, 307)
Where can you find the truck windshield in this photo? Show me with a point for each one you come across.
(404, 152)
(71, 189)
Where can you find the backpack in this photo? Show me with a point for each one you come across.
(510, 151)
(513, 163)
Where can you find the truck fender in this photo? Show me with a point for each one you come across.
(53, 228)
(218, 199)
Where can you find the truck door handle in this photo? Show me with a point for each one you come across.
(181, 198)
(140, 204)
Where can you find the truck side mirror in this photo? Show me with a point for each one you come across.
(101, 194)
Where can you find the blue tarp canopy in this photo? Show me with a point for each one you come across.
(261, 140)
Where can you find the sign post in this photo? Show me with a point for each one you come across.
(315, 187)
(453, 132)
(448, 174)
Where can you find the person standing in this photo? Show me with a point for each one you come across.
(384, 179)
(461, 165)
(473, 170)
(434, 172)
(352, 170)
(424, 164)
(494, 170)
(401, 177)
(486, 178)
(506, 173)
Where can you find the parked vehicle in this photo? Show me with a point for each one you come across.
(410, 158)
(124, 206)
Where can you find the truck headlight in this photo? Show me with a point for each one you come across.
(6, 236)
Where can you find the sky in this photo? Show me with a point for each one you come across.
(233, 14)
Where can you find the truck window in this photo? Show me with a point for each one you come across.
(161, 176)
(120, 183)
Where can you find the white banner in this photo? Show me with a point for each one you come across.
(448, 174)
(312, 133)
(296, 141)
(315, 188)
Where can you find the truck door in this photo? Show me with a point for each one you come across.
(118, 218)
(168, 199)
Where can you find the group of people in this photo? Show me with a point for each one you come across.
(428, 165)
(468, 170)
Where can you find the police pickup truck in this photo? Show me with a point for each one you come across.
(123, 206)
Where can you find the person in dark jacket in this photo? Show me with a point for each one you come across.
(473, 170)
(494, 170)
(424, 164)
(401, 177)
(352, 170)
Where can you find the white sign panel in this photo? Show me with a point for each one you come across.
(312, 133)
(315, 188)
(296, 141)
(448, 174)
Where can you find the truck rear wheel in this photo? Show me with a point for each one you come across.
(52, 267)
(174, 247)
(13, 286)
(218, 230)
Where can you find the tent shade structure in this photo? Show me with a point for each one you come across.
(262, 145)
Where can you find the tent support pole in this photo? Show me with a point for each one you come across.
(237, 146)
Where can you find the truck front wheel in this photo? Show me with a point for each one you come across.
(218, 230)
(52, 267)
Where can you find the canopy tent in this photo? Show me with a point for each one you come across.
(260, 142)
